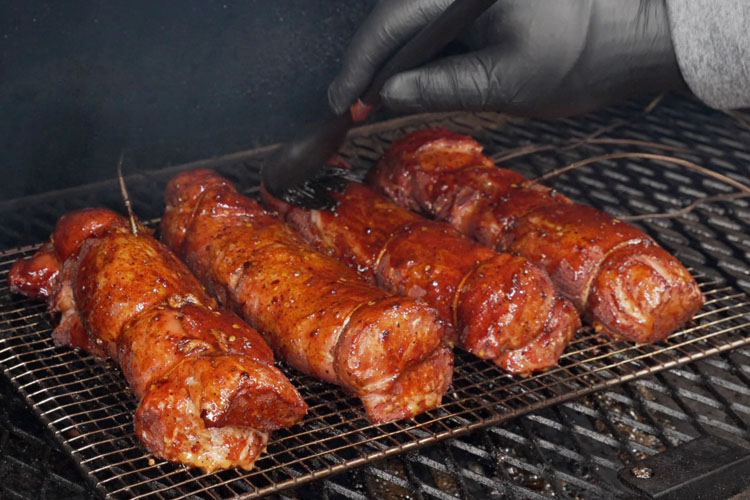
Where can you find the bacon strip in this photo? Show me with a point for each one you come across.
(319, 315)
(618, 277)
(208, 390)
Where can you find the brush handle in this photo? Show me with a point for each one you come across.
(286, 174)
(424, 46)
(308, 152)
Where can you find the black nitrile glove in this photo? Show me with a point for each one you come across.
(527, 57)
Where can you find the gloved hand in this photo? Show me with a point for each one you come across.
(526, 57)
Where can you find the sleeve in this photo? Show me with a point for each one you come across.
(712, 44)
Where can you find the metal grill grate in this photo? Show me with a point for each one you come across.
(89, 408)
(88, 405)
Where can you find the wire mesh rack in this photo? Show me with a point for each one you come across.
(88, 407)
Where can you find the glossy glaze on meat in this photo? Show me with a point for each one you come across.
(208, 389)
(503, 307)
(320, 316)
(620, 279)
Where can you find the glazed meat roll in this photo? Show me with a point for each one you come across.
(619, 278)
(503, 307)
(208, 389)
(319, 316)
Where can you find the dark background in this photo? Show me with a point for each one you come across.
(166, 81)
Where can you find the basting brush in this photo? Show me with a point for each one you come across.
(296, 173)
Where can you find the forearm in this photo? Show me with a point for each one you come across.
(712, 43)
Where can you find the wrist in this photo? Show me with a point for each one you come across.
(632, 38)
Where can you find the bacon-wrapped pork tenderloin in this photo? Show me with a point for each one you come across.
(208, 389)
(503, 307)
(621, 280)
(320, 316)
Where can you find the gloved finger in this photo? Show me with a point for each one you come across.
(387, 28)
(488, 80)
(467, 82)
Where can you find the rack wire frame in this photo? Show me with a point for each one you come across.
(88, 407)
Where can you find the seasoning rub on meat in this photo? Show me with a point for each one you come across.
(319, 316)
(622, 281)
(208, 389)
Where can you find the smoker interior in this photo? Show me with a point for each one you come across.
(572, 449)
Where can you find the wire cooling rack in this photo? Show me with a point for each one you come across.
(88, 407)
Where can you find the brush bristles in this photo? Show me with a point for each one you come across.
(317, 193)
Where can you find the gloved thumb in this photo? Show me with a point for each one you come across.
(465, 82)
